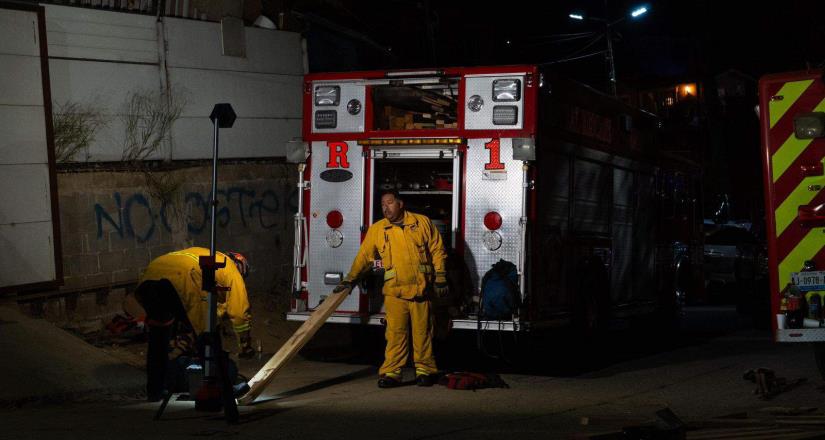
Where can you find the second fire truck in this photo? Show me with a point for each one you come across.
(792, 121)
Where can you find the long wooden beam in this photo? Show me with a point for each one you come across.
(293, 345)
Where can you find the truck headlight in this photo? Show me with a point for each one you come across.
(506, 90)
(327, 95)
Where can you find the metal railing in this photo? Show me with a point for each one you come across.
(167, 8)
(148, 7)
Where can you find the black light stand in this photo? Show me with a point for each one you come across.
(216, 391)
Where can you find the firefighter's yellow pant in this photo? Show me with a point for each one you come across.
(401, 315)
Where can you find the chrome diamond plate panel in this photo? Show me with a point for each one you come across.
(801, 335)
(483, 119)
(483, 196)
(346, 197)
(347, 123)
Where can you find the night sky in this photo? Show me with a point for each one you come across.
(676, 39)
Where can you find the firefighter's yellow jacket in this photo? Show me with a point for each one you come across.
(182, 269)
(411, 256)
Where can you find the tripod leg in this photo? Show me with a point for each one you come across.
(166, 397)
(230, 407)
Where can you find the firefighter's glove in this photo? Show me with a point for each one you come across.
(441, 288)
(343, 285)
(245, 342)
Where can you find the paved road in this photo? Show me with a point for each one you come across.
(699, 379)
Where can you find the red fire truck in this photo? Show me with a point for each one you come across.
(511, 163)
(792, 120)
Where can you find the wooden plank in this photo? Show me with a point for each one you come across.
(292, 346)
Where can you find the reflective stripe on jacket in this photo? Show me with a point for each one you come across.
(411, 255)
(183, 270)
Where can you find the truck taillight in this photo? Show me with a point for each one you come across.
(505, 115)
(326, 119)
(492, 239)
(492, 220)
(335, 219)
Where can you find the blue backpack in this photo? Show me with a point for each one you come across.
(500, 296)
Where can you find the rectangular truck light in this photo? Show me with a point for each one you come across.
(809, 125)
(326, 119)
(327, 95)
(505, 115)
(506, 90)
(333, 278)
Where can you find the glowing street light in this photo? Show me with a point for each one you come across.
(634, 13)
(638, 11)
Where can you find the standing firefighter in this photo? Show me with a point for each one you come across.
(409, 249)
(176, 306)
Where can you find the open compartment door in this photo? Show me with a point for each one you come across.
(29, 228)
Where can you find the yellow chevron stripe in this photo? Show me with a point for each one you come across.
(790, 150)
(805, 250)
(790, 92)
(786, 154)
(801, 195)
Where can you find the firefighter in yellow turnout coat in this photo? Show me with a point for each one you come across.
(413, 257)
(176, 306)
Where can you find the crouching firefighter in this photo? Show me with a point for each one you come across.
(411, 252)
(176, 306)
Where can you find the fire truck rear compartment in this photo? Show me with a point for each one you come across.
(427, 106)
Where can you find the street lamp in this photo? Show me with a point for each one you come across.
(634, 14)
(638, 11)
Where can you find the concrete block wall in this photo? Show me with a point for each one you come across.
(83, 312)
(112, 225)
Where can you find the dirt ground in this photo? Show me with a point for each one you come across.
(698, 377)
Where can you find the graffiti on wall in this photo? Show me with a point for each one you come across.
(134, 216)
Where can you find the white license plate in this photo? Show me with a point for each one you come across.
(814, 280)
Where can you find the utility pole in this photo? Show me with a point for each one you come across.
(611, 67)
(608, 24)
(608, 55)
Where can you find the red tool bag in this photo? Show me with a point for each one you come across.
(463, 380)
